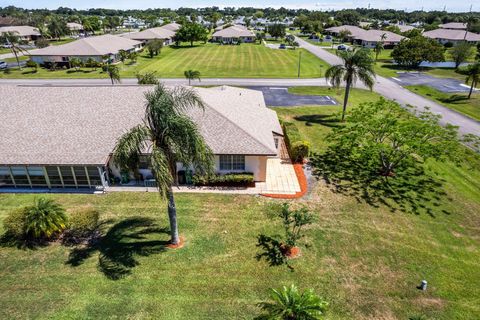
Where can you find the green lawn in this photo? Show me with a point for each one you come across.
(365, 260)
(456, 101)
(212, 60)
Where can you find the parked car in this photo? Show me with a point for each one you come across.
(282, 46)
(342, 47)
(3, 65)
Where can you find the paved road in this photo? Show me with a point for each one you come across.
(441, 84)
(391, 90)
(280, 97)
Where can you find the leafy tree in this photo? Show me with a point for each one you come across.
(384, 137)
(44, 218)
(258, 14)
(412, 33)
(14, 41)
(191, 32)
(123, 55)
(147, 78)
(76, 63)
(44, 32)
(276, 30)
(289, 304)
(357, 64)
(154, 47)
(412, 52)
(348, 17)
(293, 223)
(461, 53)
(214, 17)
(133, 56)
(57, 27)
(260, 36)
(42, 43)
(472, 72)
(192, 75)
(172, 137)
(290, 39)
(92, 63)
(393, 28)
(113, 73)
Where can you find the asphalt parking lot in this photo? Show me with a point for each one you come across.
(441, 84)
(280, 97)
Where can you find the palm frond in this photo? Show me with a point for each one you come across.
(162, 170)
(129, 147)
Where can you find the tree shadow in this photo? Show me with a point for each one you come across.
(119, 247)
(11, 241)
(330, 121)
(410, 190)
(271, 251)
(454, 98)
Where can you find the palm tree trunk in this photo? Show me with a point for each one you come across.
(172, 216)
(16, 58)
(345, 99)
(471, 89)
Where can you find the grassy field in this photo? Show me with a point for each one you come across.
(212, 60)
(456, 101)
(366, 260)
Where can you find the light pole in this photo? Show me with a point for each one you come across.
(299, 62)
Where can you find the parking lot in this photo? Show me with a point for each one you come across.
(280, 97)
(441, 84)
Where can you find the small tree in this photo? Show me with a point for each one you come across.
(133, 56)
(192, 75)
(92, 63)
(32, 64)
(289, 304)
(113, 73)
(123, 55)
(260, 36)
(154, 47)
(76, 63)
(293, 223)
(379, 46)
(461, 53)
(473, 76)
(44, 218)
(277, 30)
(191, 32)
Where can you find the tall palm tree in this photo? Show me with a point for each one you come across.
(13, 39)
(172, 136)
(472, 72)
(290, 304)
(470, 21)
(357, 65)
(192, 75)
(379, 46)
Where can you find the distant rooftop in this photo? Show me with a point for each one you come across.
(454, 25)
(22, 31)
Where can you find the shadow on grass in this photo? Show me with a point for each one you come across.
(330, 121)
(411, 190)
(79, 71)
(119, 247)
(271, 251)
(12, 241)
(455, 98)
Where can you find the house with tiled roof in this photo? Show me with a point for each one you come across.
(25, 33)
(159, 33)
(453, 36)
(367, 38)
(233, 34)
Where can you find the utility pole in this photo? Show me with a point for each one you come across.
(299, 62)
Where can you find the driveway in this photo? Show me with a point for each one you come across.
(441, 84)
(280, 97)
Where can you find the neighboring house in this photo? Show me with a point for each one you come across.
(233, 34)
(75, 27)
(451, 35)
(172, 26)
(367, 38)
(100, 48)
(133, 23)
(454, 26)
(159, 33)
(60, 137)
(404, 27)
(7, 21)
(26, 33)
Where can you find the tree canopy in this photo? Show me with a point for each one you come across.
(412, 52)
(191, 32)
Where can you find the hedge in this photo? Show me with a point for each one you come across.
(297, 147)
(227, 180)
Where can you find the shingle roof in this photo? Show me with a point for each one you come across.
(234, 31)
(172, 26)
(451, 34)
(150, 34)
(454, 25)
(21, 30)
(90, 46)
(52, 125)
(74, 26)
(367, 35)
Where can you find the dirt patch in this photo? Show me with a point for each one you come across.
(430, 302)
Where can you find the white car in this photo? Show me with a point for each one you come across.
(3, 65)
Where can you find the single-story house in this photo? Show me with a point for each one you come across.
(453, 26)
(75, 27)
(63, 137)
(172, 26)
(100, 48)
(404, 27)
(452, 35)
(233, 34)
(366, 38)
(26, 33)
(147, 35)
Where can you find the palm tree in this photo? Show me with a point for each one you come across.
(172, 136)
(192, 75)
(13, 40)
(471, 20)
(290, 304)
(472, 72)
(379, 46)
(113, 73)
(357, 64)
(44, 218)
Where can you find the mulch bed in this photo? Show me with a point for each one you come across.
(177, 246)
(302, 180)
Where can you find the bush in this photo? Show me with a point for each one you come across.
(82, 226)
(14, 224)
(147, 78)
(42, 43)
(32, 64)
(226, 180)
(297, 147)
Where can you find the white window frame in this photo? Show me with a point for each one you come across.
(232, 162)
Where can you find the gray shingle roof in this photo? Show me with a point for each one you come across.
(90, 46)
(234, 31)
(172, 26)
(80, 125)
(367, 35)
(451, 34)
(150, 34)
(454, 25)
(21, 30)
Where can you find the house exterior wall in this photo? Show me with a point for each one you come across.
(233, 39)
(62, 59)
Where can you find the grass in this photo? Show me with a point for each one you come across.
(456, 101)
(212, 60)
(365, 260)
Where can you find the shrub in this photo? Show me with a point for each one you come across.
(297, 147)
(448, 44)
(299, 150)
(44, 219)
(228, 180)
(32, 64)
(14, 224)
(83, 224)
(42, 43)
(147, 78)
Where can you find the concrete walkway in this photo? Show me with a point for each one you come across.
(391, 90)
